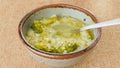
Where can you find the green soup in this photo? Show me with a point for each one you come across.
(44, 37)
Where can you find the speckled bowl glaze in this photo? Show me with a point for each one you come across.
(58, 9)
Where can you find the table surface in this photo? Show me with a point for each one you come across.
(14, 55)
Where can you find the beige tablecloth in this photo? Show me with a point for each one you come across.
(14, 55)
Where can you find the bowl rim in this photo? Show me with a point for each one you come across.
(58, 56)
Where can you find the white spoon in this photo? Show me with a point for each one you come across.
(67, 28)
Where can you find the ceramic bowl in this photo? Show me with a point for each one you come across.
(58, 9)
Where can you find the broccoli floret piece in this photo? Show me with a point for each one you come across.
(68, 47)
(37, 26)
(71, 47)
(61, 49)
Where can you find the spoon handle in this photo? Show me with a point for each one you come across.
(102, 24)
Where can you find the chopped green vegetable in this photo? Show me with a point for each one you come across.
(49, 20)
(37, 26)
(71, 47)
